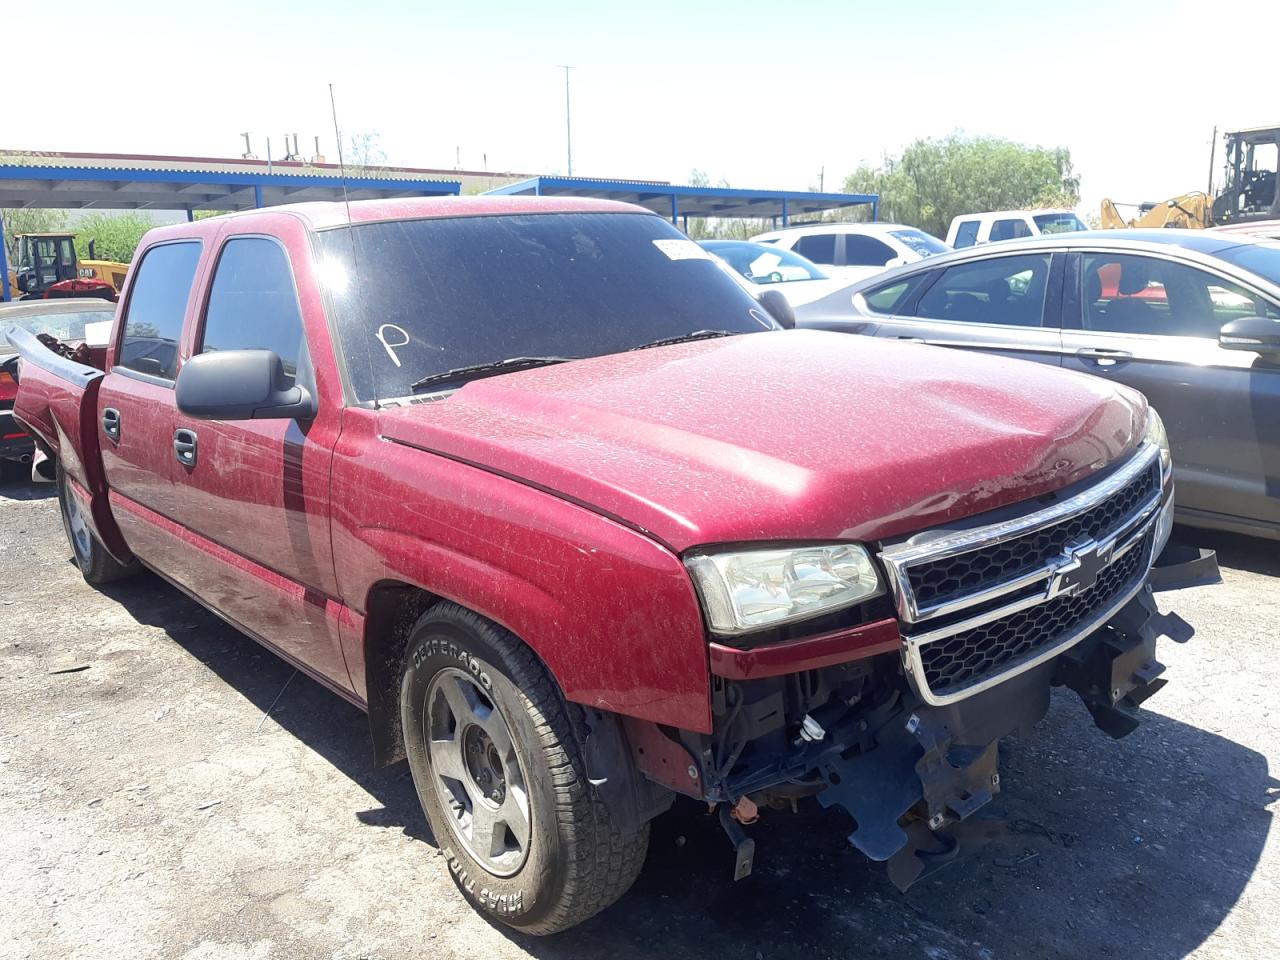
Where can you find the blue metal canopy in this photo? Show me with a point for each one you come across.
(677, 201)
(128, 182)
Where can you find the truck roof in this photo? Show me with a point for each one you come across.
(320, 215)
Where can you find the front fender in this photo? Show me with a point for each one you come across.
(610, 612)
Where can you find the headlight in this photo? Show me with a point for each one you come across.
(748, 590)
(1156, 436)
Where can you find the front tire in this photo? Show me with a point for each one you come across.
(96, 565)
(495, 753)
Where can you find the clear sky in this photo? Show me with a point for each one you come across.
(760, 94)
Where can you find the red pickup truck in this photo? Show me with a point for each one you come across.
(582, 527)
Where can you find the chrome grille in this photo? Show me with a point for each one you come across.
(982, 604)
(946, 579)
(956, 661)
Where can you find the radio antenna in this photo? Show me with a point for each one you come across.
(351, 234)
(342, 166)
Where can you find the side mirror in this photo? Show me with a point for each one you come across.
(1258, 334)
(779, 308)
(240, 385)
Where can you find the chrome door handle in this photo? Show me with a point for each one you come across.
(111, 423)
(1104, 353)
(184, 447)
(909, 339)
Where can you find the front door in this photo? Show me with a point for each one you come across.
(254, 494)
(1152, 323)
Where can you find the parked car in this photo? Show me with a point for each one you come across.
(855, 251)
(582, 529)
(71, 321)
(971, 229)
(766, 265)
(1190, 318)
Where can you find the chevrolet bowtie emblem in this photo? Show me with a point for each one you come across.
(1079, 567)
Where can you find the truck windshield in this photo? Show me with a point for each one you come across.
(413, 298)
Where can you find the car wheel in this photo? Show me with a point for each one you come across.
(96, 565)
(495, 753)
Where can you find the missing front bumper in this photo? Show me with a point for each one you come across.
(938, 765)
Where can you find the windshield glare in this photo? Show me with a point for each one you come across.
(920, 242)
(764, 264)
(1260, 258)
(1058, 222)
(413, 298)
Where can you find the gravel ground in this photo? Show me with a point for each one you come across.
(150, 807)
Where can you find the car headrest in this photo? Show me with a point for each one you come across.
(1134, 277)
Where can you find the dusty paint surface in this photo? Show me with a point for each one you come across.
(148, 810)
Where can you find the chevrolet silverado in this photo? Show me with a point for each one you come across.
(583, 528)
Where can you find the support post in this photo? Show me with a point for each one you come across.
(875, 210)
(5, 292)
(191, 215)
(785, 218)
(675, 211)
(257, 197)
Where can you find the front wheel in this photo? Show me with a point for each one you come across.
(495, 753)
(96, 565)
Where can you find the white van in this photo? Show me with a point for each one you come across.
(974, 228)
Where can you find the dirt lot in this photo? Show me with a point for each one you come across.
(149, 807)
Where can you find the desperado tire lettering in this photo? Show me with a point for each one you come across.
(442, 647)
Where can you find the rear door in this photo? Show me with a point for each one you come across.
(1152, 323)
(255, 493)
(135, 404)
(995, 304)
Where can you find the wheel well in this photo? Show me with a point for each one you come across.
(392, 609)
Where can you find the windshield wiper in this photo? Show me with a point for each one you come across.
(477, 370)
(682, 338)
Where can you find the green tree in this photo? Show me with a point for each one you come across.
(29, 220)
(936, 180)
(114, 236)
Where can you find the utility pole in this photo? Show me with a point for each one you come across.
(568, 129)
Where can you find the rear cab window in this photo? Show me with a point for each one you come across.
(156, 309)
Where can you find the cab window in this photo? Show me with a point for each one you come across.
(253, 304)
(1007, 290)
(157, 306)
(966, 234)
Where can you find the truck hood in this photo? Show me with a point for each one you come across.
(793, 435)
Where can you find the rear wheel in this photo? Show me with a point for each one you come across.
(495, 753)
(96, 565)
